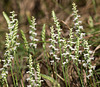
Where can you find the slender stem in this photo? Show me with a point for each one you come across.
(62, 64)
(79, 74)
(67, 75)
(94, 81)
(6, 82)
(16, 68)
(56, 69)
(13, 76)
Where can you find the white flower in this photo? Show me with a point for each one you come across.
(77, 31)
(17, 36)
(81, 35)
(76, 17)
(64, 63)
(73, 42)
(51, 46)
(84, 64)
(80, 22)
(79, 61)
(28, 71)
(3, 74)
(86, 48)
(66, 60)
(3, 60)
(31, 37)
(55, 35)
(80, 52)
(81, 27)
(51, 53)
(33, 81)
(11, 22)
(61, 40)
(56, 49)
(1, 69)
(53, 40)
(90, 71)
(11, 33)
(30, 44)
(91, 58)
(64, 54)
(93, 67)
(13, 16)
(32, 27)
(72, 48)
(28, 85)
(17, 44)
(76, 24)
(5, 65)
(68, 45)
(36, 39)
(11, 27)
(30, 31)
(14, 48)
(6, 72)
(34, 33)
(52, 61)
(88, 76)
(56, 57)
(11, 57)
(9, 61)
(90, 52)
(85, 55)
(72, 56)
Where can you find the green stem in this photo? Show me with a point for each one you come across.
(13, 76)
(94, 4)
(62, 64)
(15, 68)
(81, 81)
(94, 81)
(67, 75)
(19, 71)
(56, 69)
(6, 82)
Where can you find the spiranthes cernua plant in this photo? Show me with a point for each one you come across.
(11, 45)
(33, 34)
(34, 78)
(82, 43)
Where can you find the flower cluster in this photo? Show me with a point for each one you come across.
(11, 43)
(53, 46)
(77, 23)
(87, 59)
(38, 79)
(57, 26)
(33, 34)
(65, 54)
(31, 72)
(34, 75)
(78, 36)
